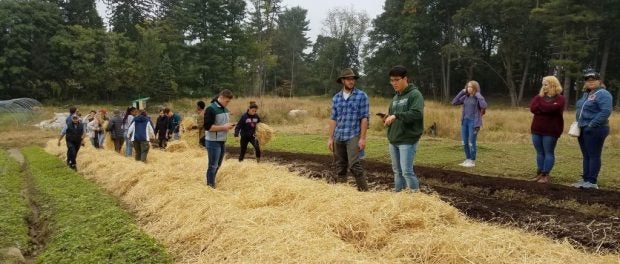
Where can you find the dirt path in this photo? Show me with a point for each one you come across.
(37, 224)
(587, 218)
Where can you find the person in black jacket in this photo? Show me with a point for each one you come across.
(161, 129)
(115, 127)
(246, 127)
(74, 133)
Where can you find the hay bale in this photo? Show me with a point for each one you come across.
(108, 143)
(189, 123)
(177, 146)
(264, 133)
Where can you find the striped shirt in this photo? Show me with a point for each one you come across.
(348, 114)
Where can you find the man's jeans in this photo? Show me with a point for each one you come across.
(347, 155)
(215, 155)
(469, 135)
(591, 143)
(402, 165)
(545, 152)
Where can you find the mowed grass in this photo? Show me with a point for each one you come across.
(86, 225)
(14, 208)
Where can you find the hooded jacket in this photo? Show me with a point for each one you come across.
(408, 107)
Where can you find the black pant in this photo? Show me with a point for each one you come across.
(142, 149)
(163, 143)
(72, 150)
(347, 157)
(118, 144)
(244, 146)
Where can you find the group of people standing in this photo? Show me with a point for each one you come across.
(404, 121)
(592, 113)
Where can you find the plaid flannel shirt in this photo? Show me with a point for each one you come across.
(348, 114)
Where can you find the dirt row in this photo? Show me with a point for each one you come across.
(533, 207)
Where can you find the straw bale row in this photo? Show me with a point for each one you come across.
(262, 213)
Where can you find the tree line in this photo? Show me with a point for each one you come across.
(62, 49)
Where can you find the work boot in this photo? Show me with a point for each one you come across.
(539, 175)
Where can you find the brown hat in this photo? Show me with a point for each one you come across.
(348, 72)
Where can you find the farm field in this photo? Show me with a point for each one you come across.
(250, 215)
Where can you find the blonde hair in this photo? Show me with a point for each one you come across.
(553, 88)
(475, 84)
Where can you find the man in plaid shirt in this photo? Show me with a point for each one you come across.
(347, 129)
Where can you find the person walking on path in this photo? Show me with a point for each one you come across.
(474, 106)
(115, 127)
(246, 127)
(174, 124)
(74, 133)
(547, 125)
(347, 129)
(140, 133)
(592, 114)
(217, 124)
(405, 121)
(161, 129)
(127, 120)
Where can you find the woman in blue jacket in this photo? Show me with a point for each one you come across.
(592, 113)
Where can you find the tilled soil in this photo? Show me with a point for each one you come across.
(587, 218)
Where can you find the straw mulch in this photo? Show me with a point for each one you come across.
(177, 146)
(262, 213)
(264, 133)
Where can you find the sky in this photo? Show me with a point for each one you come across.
(317, 10)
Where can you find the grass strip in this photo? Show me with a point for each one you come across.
(87, 226)
(14, 211)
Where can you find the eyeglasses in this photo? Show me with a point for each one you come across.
(393, 80)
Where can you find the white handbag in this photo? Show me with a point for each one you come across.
(574, 129)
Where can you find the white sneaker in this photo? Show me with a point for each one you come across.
(470, 164)
(464, 163)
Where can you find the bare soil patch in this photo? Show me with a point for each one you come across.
(557, 211)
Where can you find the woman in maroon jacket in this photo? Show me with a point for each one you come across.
(547, 126)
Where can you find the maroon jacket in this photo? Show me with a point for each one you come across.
(548, 118)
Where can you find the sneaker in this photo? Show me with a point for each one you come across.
(578, 184)
(470, 164)
(464, 163)
(589, 185)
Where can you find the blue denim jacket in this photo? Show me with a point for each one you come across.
(597, 107)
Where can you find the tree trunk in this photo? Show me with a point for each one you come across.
(526, 68)
(567, 88)
(605, 58)
(445, 77)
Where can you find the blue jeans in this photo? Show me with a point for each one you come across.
(215, 152)
(591, 143)
(545, 152)
(469, 135)
(402, 165)
(128, 146)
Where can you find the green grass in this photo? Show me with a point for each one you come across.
(14, 209)
(87, 226)
(509, 160)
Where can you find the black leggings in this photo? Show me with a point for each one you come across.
(244, 146)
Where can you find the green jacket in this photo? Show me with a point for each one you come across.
(408, 107)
